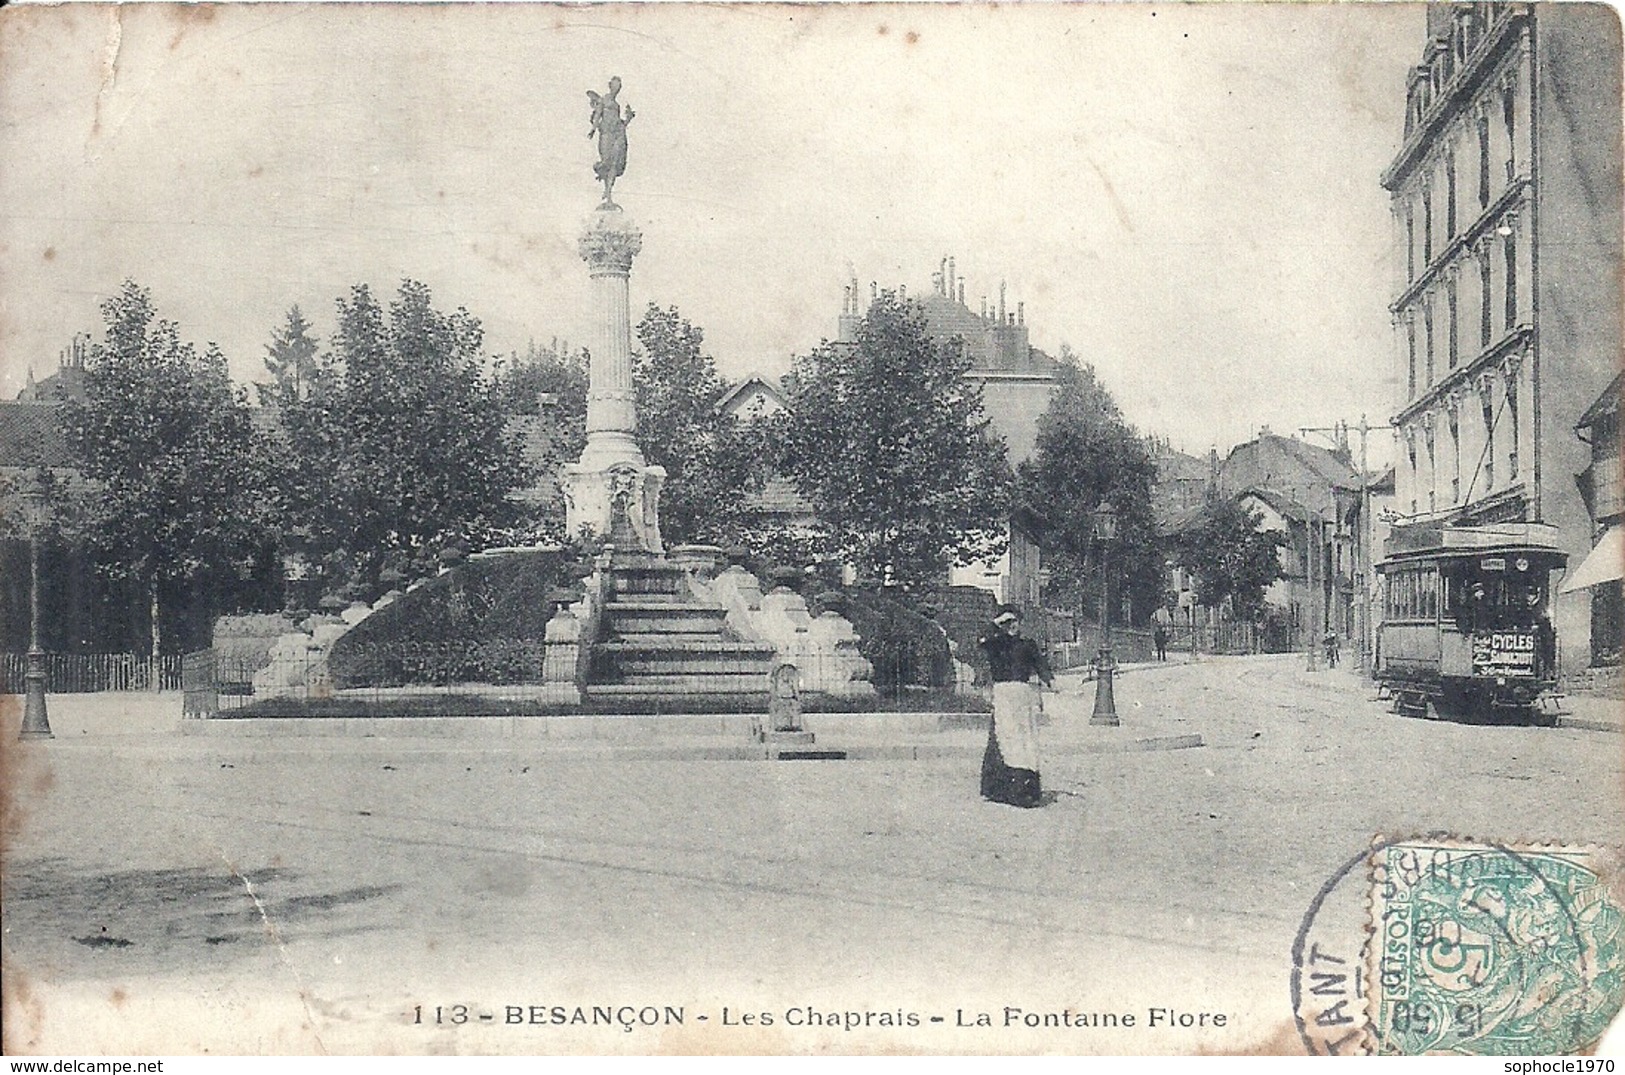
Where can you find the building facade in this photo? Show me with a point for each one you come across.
(1506, 202)
(1313, 495)
(1604, 493)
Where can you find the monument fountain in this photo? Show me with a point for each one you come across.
(659, 633)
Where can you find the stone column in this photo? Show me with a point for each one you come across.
(611, 490)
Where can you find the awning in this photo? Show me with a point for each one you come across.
(1605, 563)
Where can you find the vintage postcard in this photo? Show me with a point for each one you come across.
(811, 529)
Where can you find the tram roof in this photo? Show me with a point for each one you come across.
(1412, 542)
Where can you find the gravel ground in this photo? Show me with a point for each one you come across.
(178, 894)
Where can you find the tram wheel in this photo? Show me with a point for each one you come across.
(1411, 705)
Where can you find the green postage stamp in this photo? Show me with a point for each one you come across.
(1484, 949)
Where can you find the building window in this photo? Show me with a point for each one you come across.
(1410, 347)
(1455, 458)
(1433, 468)
(1451, 340)
(1483, 161)
(1511, 249)
(1427, 228)
(1450, 195)
(1427, 335)
(1512, 431)
(1489, 445)
(1410, 244)
(1509, 110)
(1484, 307)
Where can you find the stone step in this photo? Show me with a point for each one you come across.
(617, 667)
(679, 660)
(636, 644)
(646, 584)
(730, 682)
(673, 620)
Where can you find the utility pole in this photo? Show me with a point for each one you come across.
(1311, 628)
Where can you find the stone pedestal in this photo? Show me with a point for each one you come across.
(611, 490)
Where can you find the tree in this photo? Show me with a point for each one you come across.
(888, 441)
(176, 465)
(1086, 453)
(711, 461)
(400, 448)
(1231, 558)
(290, 358)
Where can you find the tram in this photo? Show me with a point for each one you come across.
(1466, 626)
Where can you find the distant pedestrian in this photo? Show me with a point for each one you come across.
(1331, 649)
(1010, 764)
(1161, 620)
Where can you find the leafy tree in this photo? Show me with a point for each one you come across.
(712, 462)
(888, 441)
(400, 448)
(290, 358)
(175, 463)
(1231, 558)
(553, 373)
(1086, 453)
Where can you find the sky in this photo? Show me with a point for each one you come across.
(1187, 195)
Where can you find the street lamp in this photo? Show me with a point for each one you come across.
(1105, 704)
(36, 724)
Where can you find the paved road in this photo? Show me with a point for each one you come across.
(177, 894)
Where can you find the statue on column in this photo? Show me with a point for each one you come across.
(610, 127)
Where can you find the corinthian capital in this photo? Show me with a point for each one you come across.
(610, 242)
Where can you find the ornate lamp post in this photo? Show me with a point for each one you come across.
(1105, 704)
(36, 724)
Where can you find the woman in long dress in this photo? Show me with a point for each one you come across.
(1010, 764)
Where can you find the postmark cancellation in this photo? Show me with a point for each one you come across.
(1490, 949)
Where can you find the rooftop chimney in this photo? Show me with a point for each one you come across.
(1021, 313)
(961, 292)
(1001, 302)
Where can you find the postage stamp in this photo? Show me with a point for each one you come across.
(1484, 949)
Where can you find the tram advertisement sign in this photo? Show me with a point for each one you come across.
(1504, 653)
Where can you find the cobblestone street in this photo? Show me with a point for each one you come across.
(167, 893)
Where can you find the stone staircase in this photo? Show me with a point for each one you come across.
(660, 651)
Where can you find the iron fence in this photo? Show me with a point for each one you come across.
(88, 673)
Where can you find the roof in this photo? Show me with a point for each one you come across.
(762, 384)
(1179, 467)
(1285, 505)
(1608, 401)
(66, 383)
(1183, 520)
(1271, 461)
(1330, 465)
(31, 436)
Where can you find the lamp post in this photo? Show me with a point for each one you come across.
(1105, 704)
(36, 724)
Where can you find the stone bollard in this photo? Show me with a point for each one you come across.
(561, 655)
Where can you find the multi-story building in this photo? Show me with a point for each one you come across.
(1506, 196)
(1016, 378)
(1311, 494)
(1604, 493)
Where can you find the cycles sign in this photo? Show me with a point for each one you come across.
(1504, 653)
